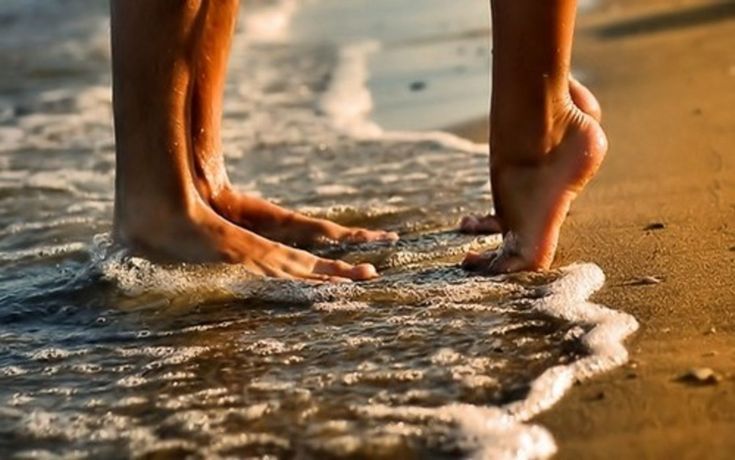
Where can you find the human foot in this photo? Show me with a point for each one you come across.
(169, 74)
(583, 98)
(532, 196)
(289, 227)
(208, 163)
(202, 236)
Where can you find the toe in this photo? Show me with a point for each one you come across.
(340, 269)
(314, 278)
(468, 224)
(508, 264)
(363, 272)
(475, 261)
(320, 278)
(480, 225)
(339, 279)
(364, 236)
(496, 263)
(390, 236)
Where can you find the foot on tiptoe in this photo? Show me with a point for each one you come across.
(533, 196)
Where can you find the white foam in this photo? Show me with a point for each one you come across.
(25, 226)
(347, 100)
(487, 432)
(332, 307)
(238, 441)
(586, 5)
(11, 138)
(42, 252)
(270, 23)
(490, 432)
(493, 432)
(267, 347)
(50, 354)
(12, 371)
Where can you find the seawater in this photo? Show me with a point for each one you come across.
(104, 355)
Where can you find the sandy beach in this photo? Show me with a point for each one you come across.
(663, 206)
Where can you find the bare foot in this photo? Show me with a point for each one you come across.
(203, 236)
(532, 196)
(288, 227)
(583, 98)
(169, 76)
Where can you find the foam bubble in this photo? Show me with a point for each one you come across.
(502, 432)
(347, 101)
(270, 23)
(43, 252)
(12, 371)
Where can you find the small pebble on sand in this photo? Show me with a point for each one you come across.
(643, 281)
(700, 376)
(655, 226)
(417, 86)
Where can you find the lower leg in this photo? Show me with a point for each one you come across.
(252, 213)
(159, 212)
(532, 44)
(151, 64)
(546, 141)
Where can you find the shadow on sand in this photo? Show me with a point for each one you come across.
(670, 20)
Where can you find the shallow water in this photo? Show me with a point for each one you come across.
(103, 355)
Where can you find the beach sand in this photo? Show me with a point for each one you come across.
(665, 75)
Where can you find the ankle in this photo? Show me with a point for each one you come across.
(212, 182)
(136, 220)
(530, 135)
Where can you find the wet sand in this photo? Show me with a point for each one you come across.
(665, 75)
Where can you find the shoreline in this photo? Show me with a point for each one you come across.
(665, 76)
